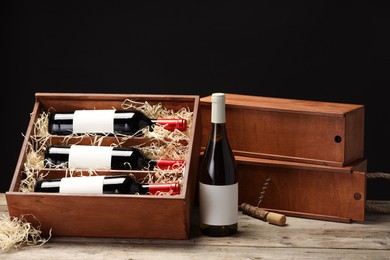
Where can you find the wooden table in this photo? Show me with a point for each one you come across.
(299, 239)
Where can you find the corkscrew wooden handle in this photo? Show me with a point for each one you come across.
(270, 217)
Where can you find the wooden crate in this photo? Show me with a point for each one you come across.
(304, 190)
(108, 215)
(291, 130)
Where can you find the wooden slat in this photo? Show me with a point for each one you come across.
(287, 105)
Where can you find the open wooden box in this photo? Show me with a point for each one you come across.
(108, 215)
(291, 130)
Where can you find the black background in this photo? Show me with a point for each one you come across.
(327, 51)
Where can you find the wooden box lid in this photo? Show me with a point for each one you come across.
(293, 130)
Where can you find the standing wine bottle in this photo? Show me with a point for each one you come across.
(104, 158)
(119, 184)
(107, 121)
(218, 183)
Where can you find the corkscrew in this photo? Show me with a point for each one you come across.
(259, 213)
(263, 189)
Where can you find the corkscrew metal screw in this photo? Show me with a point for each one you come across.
(265, 215)
(263, 189)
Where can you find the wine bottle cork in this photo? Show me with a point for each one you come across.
(276, 219)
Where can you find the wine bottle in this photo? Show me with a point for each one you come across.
(108, 121)
(104, 158)
(119, 184)
(218, 182)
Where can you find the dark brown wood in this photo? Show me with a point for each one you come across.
(131, 216)
(68, 101)
(304, 190)
(300, 238)
(293, 130)
(126, 216)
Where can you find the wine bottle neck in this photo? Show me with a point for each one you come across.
(157, 188)
(171, 123)
(218, 108)
(165, 164)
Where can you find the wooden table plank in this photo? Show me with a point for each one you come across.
(111, 251)
(300, 238)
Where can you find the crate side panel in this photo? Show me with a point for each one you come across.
(315, 192)
(287, 105)
(102, 216)
(194, 156)
(69, 102)
(354, 134)
(294, 136)
(17, 177)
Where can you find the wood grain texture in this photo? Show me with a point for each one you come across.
(297, 189)
(287, 105)
(294, 130)
(300, 239)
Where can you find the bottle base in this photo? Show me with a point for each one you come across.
(218, 231)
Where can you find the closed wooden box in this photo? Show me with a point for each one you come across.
(313, 153)
(304, 190)
(291, 130)
(108, 215)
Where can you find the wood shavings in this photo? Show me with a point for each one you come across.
(32, 167)
(158, 111)
(168, 151)
(17, 232)
(171, 175)
(41, 125)
(163, 144)
(152, 111)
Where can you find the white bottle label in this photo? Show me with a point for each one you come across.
(90, 157)
(218, 204)
(87, 185)
(93, 121)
